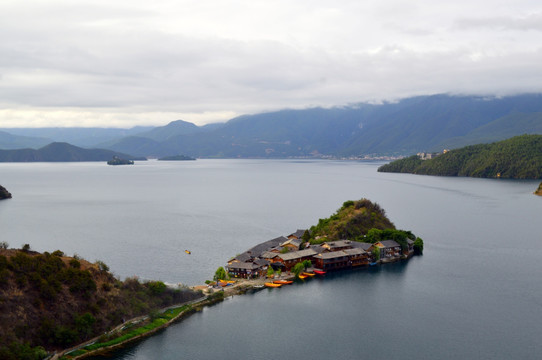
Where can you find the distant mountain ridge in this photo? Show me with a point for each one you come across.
(424, 123)
(59, 152)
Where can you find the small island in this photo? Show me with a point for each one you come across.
(176, 158)
(119, 161)
(4, 194)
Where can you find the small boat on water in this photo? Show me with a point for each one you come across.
(272, 285)
(283, 282)
(307, 274)
(188, 252)
(302, 277)
(319, 272)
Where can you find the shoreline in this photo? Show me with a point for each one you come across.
(212, 295)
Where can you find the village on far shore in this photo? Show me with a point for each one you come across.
(283, 253)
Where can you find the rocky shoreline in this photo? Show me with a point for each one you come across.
(4, 194)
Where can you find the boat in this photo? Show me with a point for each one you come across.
(188, 252)
(302, 277)
(283, 282)
(373, 263)
(307, 274)
(319, 272)
(272, 285)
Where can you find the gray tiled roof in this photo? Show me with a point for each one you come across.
(298, 234)
(332, 255)
(339, 243)
(389, 243)
(362, 245)
(243, 265)
(268, 255)
(257, 250)
(243, 257)
(356, 251)
(297, 254)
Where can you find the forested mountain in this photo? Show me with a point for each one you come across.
(517, 158)
(424, 123)
(57, 152)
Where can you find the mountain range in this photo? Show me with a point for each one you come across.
(424, 123)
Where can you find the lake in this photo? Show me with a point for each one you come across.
(474, 294)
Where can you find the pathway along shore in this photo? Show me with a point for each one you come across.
(214, 296)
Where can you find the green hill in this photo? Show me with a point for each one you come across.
(363, 221)
(51, 301)
(60, 152)
(517, 158)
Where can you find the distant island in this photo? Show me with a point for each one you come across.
(61, 152)
(176, 158)
(519, 157)
(118, 161)
(539, 190)
(4, 194)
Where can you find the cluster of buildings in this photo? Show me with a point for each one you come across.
(429, 156)
(284, 253)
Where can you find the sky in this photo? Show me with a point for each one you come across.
(66, 63)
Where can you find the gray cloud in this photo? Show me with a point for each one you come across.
(134, 63)
(503, 23)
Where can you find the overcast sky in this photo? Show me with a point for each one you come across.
(126, 63)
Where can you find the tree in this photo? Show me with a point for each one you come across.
(418, 246)
(102, 266)
(26, 248)
(306, 264)
(376, 253)
(4, 245)
(270, 272)
(298, 268)
(220, 274)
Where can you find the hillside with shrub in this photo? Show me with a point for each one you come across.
(51, 301)
(362, 221)
(517, 158)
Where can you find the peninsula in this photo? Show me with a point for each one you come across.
(4, 194)
(359, 234)
(53, 301)
(519, 157)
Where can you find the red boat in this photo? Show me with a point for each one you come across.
(319, 272)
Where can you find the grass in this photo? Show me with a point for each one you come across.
(157, 322)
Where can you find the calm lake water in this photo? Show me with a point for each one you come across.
(476, 293)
